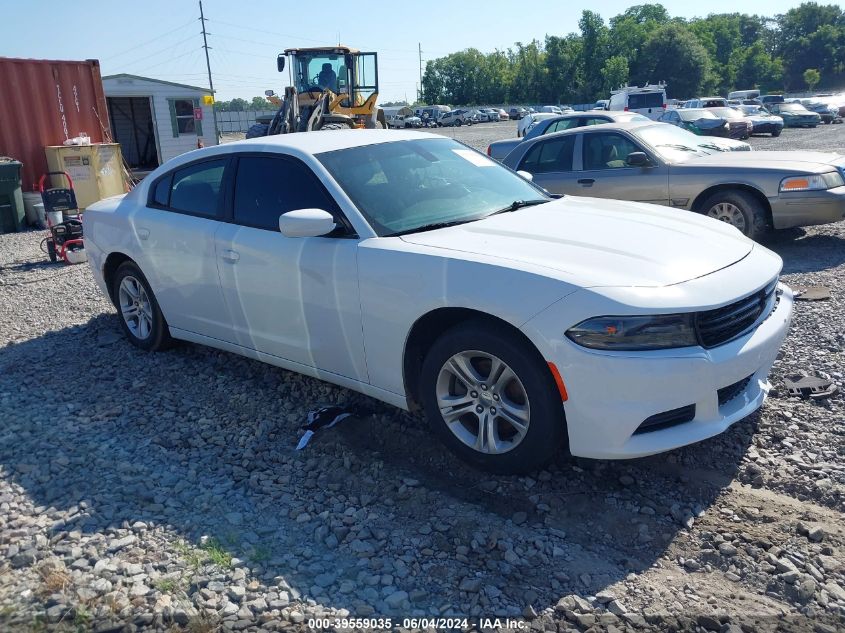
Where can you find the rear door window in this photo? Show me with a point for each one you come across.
(563, 124)
(269, 186)
(550, 156)
(645, 100)
(197, 188)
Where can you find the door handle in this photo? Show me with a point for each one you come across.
(143, 233)
(587, 182)
(230, 256)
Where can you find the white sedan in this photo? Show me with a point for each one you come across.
(530, 120)
(418, 271)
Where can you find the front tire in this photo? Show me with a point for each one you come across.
(140, 316)
(776, 133)
(739, 209)
(491, 399)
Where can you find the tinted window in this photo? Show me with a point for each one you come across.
(196, 189)
(550, 156)
(563, 124)
(267, 187)
(607, 151)
(645, 100)
(594, 121)
(161, 194)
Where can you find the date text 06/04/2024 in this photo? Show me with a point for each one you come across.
(416, 623)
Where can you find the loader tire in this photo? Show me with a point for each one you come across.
(333, 126)
(259, 129)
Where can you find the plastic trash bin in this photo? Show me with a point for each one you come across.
(11, 198)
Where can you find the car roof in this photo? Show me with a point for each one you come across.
(605, 127)
(318, 142)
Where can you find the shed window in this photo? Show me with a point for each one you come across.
(184, 116)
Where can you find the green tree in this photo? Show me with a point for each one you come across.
(260, 103)
(673, 54)
(564, 72)
(615, 73)
(594, 42)
(754, 67)
(238, 105)
(812, 77)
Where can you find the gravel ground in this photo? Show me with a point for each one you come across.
(161, 491)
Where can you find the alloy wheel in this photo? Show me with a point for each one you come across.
(728, 212)
(135, 307)
(483, 402)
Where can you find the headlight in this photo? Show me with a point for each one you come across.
(632, 333)
(815, 182)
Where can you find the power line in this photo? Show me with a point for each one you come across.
(155, 39)
(160, 52)
(208, 67)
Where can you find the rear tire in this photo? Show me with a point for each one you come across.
(740, 209)
(527, 394)
(130, 289)
(776, 133)
(259, 129)
(333, 126)
(51, 250)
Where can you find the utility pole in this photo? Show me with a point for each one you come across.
(208, 66)
(419, 95)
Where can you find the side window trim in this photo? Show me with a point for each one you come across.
(219, 214)
(344, 229)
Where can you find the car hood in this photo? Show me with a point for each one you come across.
(592, 242)
(814, 162)
(707, 124)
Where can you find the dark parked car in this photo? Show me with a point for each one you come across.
(700, 121)
(740, 125)
(794, 114)
(517, 113)
(764, 121)
(828, 113)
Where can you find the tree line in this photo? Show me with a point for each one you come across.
(711, 55)
(241, 105)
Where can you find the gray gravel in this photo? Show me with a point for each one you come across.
(162, 492)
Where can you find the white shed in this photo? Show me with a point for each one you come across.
(155, 120)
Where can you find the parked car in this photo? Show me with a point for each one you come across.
(551, 109)
(649, 100)
(291, 251)
(828, 113)
(601, 104)
(740, 126)
(493, 114)
(764, 121)
(794, 114)
(657, 163)
(503, 116)
(744, 94)
(707, 102)
(529, 120)
(455, 118)
(500, 149)
(402, 121)
(768, 99)
(700, 121)
(517, 113)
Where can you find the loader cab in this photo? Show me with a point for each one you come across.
(346, 72)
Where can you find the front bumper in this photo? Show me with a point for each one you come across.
(766, 128)
(806, 208)
(612, 393)
(803, 121)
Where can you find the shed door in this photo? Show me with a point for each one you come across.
(132, 127)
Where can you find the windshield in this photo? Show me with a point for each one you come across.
(696, 114)
(791, 107)
(754, 110)
(674, 144)
(402, 185)
(318, 71)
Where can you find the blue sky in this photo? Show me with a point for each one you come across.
(161, 38)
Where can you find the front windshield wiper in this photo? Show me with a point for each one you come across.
(518, 204)
(431, 227)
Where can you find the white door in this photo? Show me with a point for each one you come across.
(176, 247)
(294, 298)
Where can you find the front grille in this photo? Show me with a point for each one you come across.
(722, 325)
(726, 394)
(666, 419)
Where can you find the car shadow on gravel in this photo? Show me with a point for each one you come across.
(804, 253)
(374, 516)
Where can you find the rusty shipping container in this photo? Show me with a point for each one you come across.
(45, 102)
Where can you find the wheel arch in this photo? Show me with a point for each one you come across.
(426, 330)
(743, 187)
(112, 263)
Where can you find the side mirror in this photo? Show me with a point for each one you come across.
(638, 159)
(528, 176)
(280, 62)
(306, 223)
(269, 93)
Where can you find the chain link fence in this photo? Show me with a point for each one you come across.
(239, 121)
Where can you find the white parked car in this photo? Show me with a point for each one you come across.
(415, 270)
(527, 122)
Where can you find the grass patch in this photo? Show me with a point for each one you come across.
(259, 554)
(166, 585)
(216, 553)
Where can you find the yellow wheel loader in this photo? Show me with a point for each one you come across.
(330, 88)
